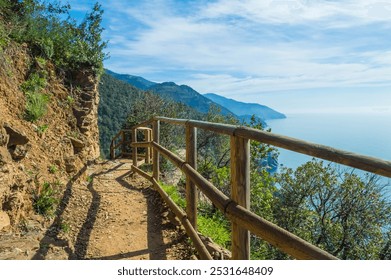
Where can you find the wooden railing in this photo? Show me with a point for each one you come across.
(236, 207)
(122, 140)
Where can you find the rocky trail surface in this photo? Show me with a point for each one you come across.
(110, 214)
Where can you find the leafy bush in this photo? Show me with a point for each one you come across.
(36, 106)
(36, 102)
(52, 34)
(337, 210)
(34, 83)
(173, 192)
(215, 227)
(3, 37)
(44, 201)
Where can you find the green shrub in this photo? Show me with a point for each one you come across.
(89, 179)
(41, 129)
(173, 192)
(36, 106)
(215, 227)
(70, 100)
(36, 103)
(34, 83)
(41, 62)
(3, 37)
(45, 47)
(44, 201)
(53, 169)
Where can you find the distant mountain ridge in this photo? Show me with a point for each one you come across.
(200, 102)
(136, 81)
(246, 110)
(182, 93)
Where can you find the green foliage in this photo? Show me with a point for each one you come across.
(52, 34)
(339, 211)
(89, 179)
(65, 227)
(216, 227)
(70, 100)
(4, 39)
(53, 169)
(173, 192)
(41, 62)
(44, 201)
(41, 129)
(35, 83)
(36, 106)
(213, 225)
(36, 101)
(214, 151)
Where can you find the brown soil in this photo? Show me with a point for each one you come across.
(113, 215)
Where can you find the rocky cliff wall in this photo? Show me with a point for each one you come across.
(50, 150)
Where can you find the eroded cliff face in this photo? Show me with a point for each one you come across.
(48, 151)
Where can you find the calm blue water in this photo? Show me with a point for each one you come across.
(367, 134)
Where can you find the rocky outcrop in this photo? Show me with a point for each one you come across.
(4, 221)
(15, 136)
(4, 138)
(86, 114)
(216, 251)
(16, 142)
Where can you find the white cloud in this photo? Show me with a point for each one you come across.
(247, 47)
(301, 11)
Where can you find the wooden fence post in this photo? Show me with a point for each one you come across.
(156, 139)
(112, 152)
(150, 149)
(191, 190)
(240, 193)
(123, 143)
(147, 139)
(134, 149)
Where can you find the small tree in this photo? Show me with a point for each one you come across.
(338, 211)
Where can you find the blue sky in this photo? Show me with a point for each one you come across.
(295, 56)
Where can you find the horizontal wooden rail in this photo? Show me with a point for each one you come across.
(366, 163)
(192, 233)
(117, 135)
(236, 208)
(141, 144)
(275, 235)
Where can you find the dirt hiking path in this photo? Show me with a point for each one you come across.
(112, 214)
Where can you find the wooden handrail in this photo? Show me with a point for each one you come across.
(366, 163)
(277, 236)
(363, 162)
(204, 253)
(236, 208)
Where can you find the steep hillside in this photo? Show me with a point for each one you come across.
(136, 81)
(123, 105)
(183, 94)
(188, 96)
(245, 110)
(34, 154)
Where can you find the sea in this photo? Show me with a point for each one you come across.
(366, 133)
